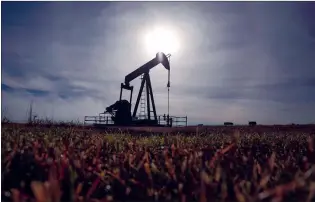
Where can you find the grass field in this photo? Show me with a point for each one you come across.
(241, 163)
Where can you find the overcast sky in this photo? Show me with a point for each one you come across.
(237, 61)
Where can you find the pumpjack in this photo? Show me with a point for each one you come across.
(121, 110)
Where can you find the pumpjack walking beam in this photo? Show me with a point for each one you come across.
(160, 58)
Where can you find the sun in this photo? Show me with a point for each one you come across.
(161, 39)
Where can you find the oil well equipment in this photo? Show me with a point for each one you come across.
(121, 114)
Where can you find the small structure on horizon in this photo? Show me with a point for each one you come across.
(252, 123)
(228, 124)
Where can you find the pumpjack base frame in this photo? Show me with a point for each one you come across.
(113, 125)
(106, 121)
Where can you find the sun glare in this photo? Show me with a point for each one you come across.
(161, 40)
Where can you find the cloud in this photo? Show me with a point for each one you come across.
(238, 61)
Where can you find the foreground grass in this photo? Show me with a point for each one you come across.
(210, 165)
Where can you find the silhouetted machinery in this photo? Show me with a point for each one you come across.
(121, 109)
(252, 123)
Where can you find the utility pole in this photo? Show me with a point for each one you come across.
(52, 112)
(31, 113)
